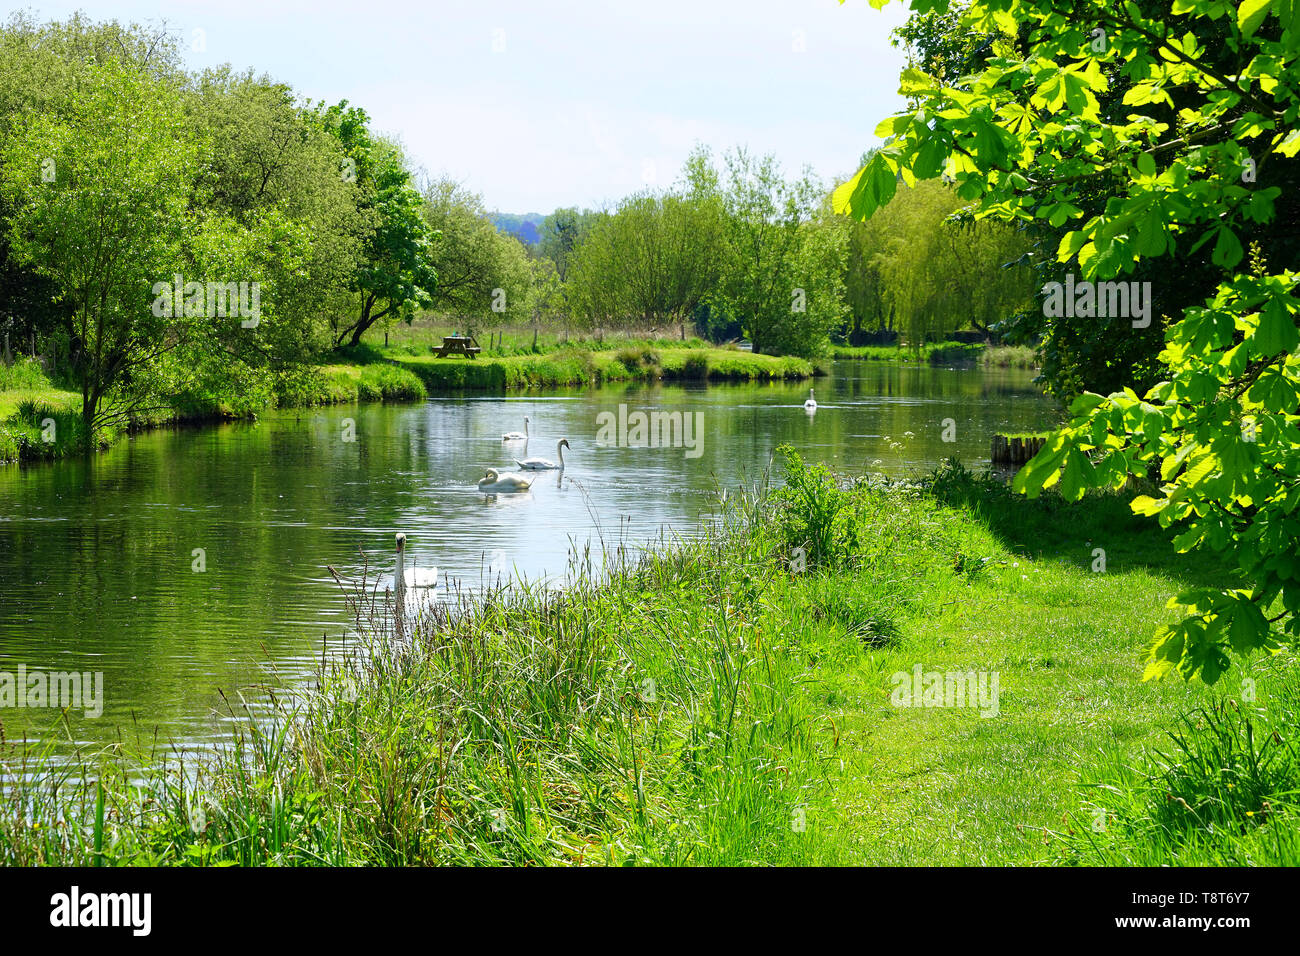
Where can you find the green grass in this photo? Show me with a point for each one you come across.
(1223, 789)
(927, 786)
(934, 353)
(1009, 356)
(345, 384)
(27, 400)
(581, 366)
(726, 700)
(426, 333)
(1025, 434)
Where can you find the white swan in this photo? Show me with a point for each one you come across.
(545, 464)
(494, 482)
(517, 436)
(417, 577)
(812, 402)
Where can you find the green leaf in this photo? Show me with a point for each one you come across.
(914, 81)
(866, 192)
(1250, 14)
(1078, 477)
(1227, 249)
(1276, 331)
(930, 158)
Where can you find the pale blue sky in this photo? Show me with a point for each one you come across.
(574, 102)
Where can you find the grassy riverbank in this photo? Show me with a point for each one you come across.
(716, 704)
(40, 421)
(576, 366)
(933, 353)
(942, 353)
(29, 400)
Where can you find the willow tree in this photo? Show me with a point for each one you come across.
(924, 265)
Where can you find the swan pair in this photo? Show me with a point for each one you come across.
(494, 482)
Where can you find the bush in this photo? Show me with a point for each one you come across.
(303, 388)
(24, 436)
(637, 359)
(696, 367)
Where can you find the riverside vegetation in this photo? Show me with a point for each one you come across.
(726, 700)
(30, 401)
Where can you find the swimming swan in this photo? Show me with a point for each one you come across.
(812, 402)
(545, 464)
(494, 482)
(517, 436)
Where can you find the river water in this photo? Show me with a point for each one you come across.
(183, 563)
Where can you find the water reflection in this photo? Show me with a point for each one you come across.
(98, 557)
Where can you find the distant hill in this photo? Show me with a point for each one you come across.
(527, 226)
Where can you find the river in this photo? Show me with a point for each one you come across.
(181, 563)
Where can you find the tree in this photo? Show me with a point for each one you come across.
(562, 231)
(926, 265)
(483, 273)
(270, 168)
(652, 261)
(396, 276)
(99, 194)
(1094, 353)
(1210, 128)
(546, 302)
(43, 65)
(782, 279)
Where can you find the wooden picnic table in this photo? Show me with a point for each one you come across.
(459, 345)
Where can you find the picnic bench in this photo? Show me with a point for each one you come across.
(459, 345)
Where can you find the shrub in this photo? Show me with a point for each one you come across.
(637, 359)
(24, 436)
(696, 367)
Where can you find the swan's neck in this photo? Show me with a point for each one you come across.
(559, 447)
